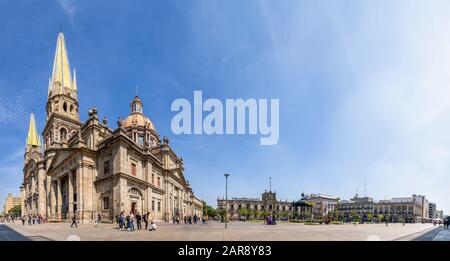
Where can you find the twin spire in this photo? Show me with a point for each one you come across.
(33, 138)
(61, 79)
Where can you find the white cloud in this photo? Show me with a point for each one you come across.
(68, 7)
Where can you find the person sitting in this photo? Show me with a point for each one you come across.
(152, 226)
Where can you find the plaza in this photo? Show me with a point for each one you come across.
(236, 231)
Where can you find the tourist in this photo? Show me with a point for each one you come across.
(29, 219)
(128, 222)
(173, 219)
(185, 219)
(152, 226)
(145, 217)
(23, 220)
(122, 221)
(74, 221)
(178, 219)
(138, 221)
(99, 219)
(132, 221)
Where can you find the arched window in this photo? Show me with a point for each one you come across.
(65, 107)
(141, 140)
(63, 134)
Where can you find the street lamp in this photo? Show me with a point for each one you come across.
(226, 198)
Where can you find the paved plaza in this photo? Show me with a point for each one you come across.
(252, 231)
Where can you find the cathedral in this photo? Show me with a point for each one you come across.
(88, 168)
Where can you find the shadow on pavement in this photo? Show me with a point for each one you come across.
(429, 236)
(9, 234)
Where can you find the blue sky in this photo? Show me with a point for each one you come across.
(364, 87)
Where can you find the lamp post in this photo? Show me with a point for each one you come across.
(226, 198)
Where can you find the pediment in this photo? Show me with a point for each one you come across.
(60, 156)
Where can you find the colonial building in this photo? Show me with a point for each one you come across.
(11, 202)
(409, 209)
(321, 204)
(88, 168)
(255, 206)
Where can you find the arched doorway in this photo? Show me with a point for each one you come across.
(136, 200)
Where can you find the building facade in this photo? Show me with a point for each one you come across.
(88, 168)
(322, 205)
(432, 212)
(409, 209)
(255, 206)
(11, 202)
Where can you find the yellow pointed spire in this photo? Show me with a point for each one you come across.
(61, 77)
(74, 83)
(49, 85)
(33, 138)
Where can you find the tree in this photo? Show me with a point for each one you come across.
(242, 212)
(15, 211)
(208, 210)
(221, 212)
(257, 213)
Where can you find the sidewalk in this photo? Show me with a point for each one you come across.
(443, 235)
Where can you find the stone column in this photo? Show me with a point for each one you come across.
(52, 199)
(71, 187)
(58, 198)
(79, 186)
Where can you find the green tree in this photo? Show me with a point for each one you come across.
(15, 211)
(243, 212)
(221, 212)
(208, 210)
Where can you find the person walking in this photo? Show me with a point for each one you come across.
(23, 220)
(99, 219)
(132, 221)
(138, 221)
(74, 221)
(145, 218)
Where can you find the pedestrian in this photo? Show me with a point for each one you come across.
(132, 221)
(152, 226)
(128, 222)
(23, 220)
(74, 221)
(145, 217)
(99, 219)
(138, 221)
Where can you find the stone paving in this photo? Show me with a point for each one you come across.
(236, 231)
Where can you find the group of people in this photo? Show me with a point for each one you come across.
(270, 220)
(189, 219)
(33, 219)
(7, 219)
(131, 222)
(445, 222)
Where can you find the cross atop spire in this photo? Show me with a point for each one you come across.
(33, 138)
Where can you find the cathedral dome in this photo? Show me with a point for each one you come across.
(138, 127)
(138, 120)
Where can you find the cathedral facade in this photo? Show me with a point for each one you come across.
(88, 168)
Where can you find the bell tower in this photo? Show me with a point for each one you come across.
(63, 119)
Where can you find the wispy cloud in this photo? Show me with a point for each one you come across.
(69, 7)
